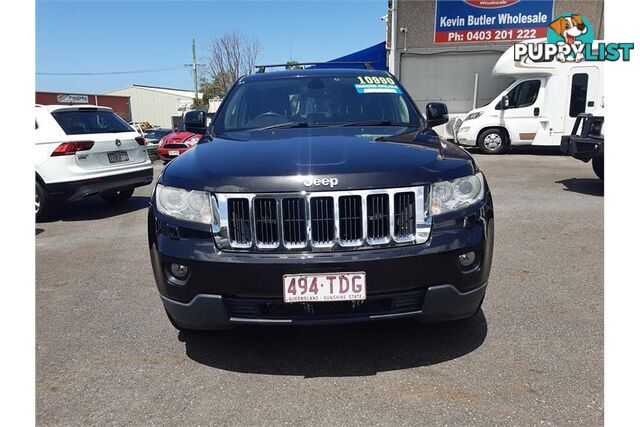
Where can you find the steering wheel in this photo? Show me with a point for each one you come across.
(270, 114)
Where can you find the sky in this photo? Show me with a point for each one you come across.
(106, 36)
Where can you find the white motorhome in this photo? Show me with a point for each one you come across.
(538, 107)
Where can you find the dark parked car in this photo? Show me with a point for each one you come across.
(320, 196)
(153, 137)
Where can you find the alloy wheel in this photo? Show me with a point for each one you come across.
(492, 142)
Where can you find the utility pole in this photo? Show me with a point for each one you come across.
(195, 68)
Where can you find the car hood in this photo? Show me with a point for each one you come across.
(279, 160)
(177, 137)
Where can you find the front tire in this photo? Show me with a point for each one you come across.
(493, 141)
(597, 163)
(118, 197)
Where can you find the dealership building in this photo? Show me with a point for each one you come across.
(445, 50)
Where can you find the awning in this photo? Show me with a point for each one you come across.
(376, 54)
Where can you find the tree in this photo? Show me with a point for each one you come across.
(210, 89)
(230, 56)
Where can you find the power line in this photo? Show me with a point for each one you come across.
(150, 70)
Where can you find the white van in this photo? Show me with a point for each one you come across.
(538, 108)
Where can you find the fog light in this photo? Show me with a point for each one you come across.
(467, 259)
(179, 271)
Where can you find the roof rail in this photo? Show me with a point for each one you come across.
(365, 64)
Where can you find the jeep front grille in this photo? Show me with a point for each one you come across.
(330, 220)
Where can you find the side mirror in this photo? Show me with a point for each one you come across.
(195, 121)
(437, 114)
(505, 102)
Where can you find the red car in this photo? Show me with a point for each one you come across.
(176, 143)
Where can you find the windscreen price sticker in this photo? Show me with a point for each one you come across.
(376, 84)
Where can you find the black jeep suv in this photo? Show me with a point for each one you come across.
(320, 196)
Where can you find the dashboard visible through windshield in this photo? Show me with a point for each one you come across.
(316, 101)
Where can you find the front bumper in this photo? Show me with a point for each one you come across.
(208, 311)
(466, 135)
(75, 190)
(163, 153)
(582, 148)
(430, 273)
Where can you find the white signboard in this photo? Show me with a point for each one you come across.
(73, 99)
(184, 104)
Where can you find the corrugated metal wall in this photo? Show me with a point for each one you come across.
(154, 107)
(449, 78)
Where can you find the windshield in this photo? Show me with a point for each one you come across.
(78, 122)
(157, 133)
(316, 101)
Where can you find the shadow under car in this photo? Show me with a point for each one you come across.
(95, 208)
(336, 350)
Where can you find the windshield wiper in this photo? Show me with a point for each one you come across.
(287, 125)
(376, 123)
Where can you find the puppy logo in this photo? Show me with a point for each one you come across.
(569, 27)
(569, 32)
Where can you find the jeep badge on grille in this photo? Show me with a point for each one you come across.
(310, 181)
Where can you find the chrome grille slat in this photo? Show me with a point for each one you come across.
(322, 221)
(350, 217)
(294, 221)
(378, 218)
(404, 221)
(266, 224)
(322, 218)
(240, 228)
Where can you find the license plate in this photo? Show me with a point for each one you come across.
(174, 153)
(324, 287)
(118, 156)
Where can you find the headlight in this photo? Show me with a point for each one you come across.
(448, 196)
(192, 140)
(473, 115)
(194, 206)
